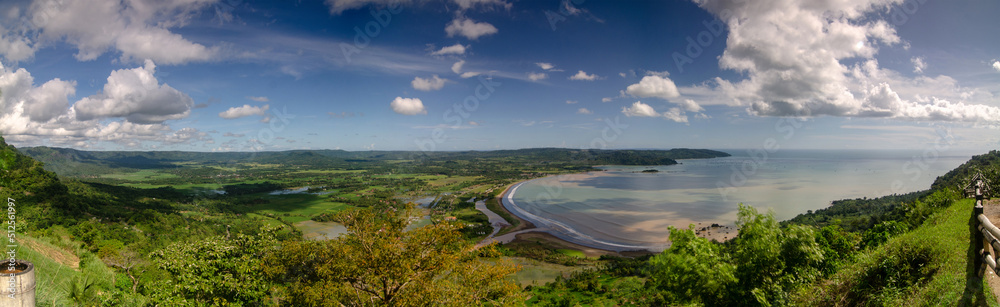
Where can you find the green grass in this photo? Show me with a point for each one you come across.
(53, 278)
(295, 208)
(931, 265)
(141, 175)
(538, 273)
(571, 252)
(328, 172)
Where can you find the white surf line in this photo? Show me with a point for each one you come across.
(557, 228)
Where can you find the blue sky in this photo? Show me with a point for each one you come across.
(240, 75)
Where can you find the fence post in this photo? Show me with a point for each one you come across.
(978, 249)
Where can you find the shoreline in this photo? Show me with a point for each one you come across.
(528, 229)
(720, 233)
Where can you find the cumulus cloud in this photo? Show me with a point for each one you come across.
(653, 86)
(535, 76)
(453, 49)
(41, 115)
(39, 104)
(639, 109)
(580, 75)
(408, 106)
(690, 105)
(15, 48)
(545, 66)
(136, 95)
(457, 67)
(469, 28)
(430, 84)
(244, 111)
(607, 99)
(258, 98)
(470, 74)
(996, 65)
(583, 111)
(793, 53)
(571, 102)
(918, 64)
(676, 115)
(137, 29)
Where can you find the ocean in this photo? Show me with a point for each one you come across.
(623, 208)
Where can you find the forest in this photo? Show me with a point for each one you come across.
(230, 229)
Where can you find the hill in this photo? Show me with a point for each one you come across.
(72, 162)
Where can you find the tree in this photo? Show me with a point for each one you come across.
(126, 260)
(216, 270)
(693, 268)
(378, 263)
(771, 261)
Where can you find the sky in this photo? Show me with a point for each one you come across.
(247, 75)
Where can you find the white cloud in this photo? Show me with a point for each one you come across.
(690, 105)
(137, 96)
(453, 49)
(607, 99)
(15, 48)
(258, 98)
(244, 111)
(467, 4)
(676, 115)
(580, 75)
(339, 6)
(430, 84)
(545, 66)
(583, 111)
(918, 64)
(791, 53)
(662, 74)
(639, 109)
(533, 76)
(996, 65)
(469, 28)
(38, 104)
(571, 102)
(457, 67)
(137, 29)
(41, 115)
(470, 74)
(653, 86)
(408, 106)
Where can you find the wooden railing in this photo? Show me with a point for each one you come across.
(986, 233)
(986, 236)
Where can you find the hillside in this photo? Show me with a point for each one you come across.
(71, 162)
(933, 265)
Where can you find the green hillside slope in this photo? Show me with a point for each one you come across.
(932, 265)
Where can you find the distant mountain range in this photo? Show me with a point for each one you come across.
(72, 162)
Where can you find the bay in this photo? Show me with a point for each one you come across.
(623, 208)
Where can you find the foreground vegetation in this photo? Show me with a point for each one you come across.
(185, 229)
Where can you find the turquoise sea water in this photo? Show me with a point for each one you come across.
(622, 208)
